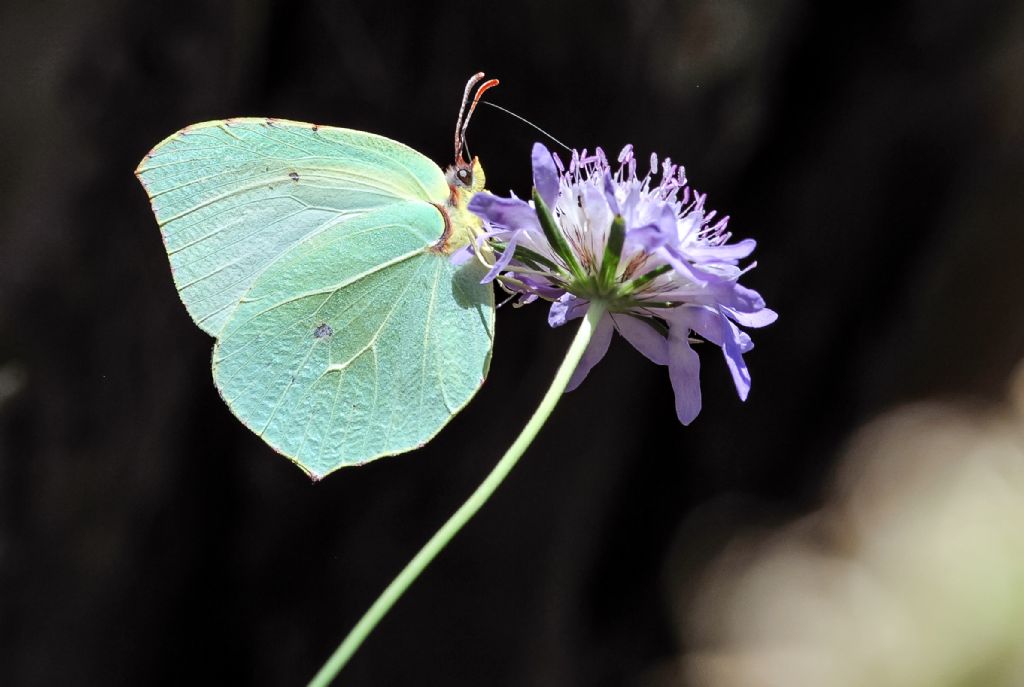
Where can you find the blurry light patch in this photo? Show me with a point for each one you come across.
(911, 575)
(12, 381)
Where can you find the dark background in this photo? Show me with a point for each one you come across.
(146, 537)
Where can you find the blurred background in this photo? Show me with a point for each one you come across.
(877, 156)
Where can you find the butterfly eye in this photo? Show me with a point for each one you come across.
(465, 176)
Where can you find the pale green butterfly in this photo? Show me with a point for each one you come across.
(319, 258)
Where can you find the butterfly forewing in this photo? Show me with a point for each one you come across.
(231, 196)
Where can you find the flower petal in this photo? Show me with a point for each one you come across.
(736, 344)
(643, 338)
(630, 206)
(761, 318)
(648, 238)
(545, 174)
(689, 225)
(508, 213)
(701, 319)
(566, 308)
(742, 299)
(538, 287)
(714, 326)
(680, 264)
(684, 373)
(461, 256)
(609, 193)
(596, 349)
(599, 217)
(728, 252)
(503, 259)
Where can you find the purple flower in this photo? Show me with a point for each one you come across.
(652, 254)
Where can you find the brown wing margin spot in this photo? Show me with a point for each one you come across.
(442, 243)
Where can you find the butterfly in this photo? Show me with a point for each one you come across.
(320, 260)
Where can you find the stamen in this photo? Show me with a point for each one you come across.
(558, 163)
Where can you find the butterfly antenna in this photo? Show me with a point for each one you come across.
(526, 121)
(459, 128)
(484, 87)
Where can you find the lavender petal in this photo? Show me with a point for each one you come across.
(736, 343)
(509, 213)
(503, 259)
(545, 174)
(761, 318)
(726, 252)
(742, 299)
(539, 287)
(609, 193)
(643, 338)
(680, 264)
(684, 373)
(649, 237)
(461, 256)
(701, 319)
(596, 349)
(566, 308)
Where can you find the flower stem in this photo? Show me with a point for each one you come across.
(467, 510)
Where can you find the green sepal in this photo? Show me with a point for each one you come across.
(658, 304)
(612, 253)
(535, 262)
(643, 280)
(535, 259)
(555, 237)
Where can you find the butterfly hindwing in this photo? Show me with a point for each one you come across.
(357, 343)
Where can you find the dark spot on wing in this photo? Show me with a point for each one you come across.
(315, 127)
(294, 176)
(323, 331)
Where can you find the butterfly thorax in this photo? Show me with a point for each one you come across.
(461, 226)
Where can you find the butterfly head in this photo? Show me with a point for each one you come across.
(466, 177)
(464, 180)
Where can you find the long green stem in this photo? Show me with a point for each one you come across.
(466, 511)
